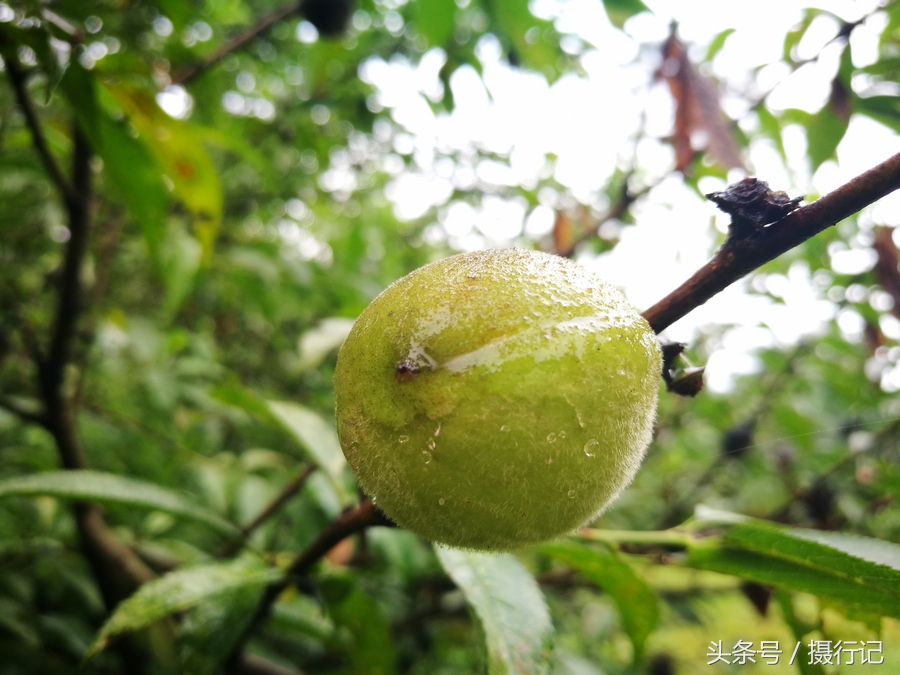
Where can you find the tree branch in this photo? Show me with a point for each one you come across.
(271, 509)
(237, 42)
(51, 369)
(739, 256)
(351, 521)
(18, 80)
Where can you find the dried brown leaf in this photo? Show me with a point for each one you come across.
(887, 269)
(698, 117)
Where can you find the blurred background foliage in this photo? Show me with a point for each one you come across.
(239, 218)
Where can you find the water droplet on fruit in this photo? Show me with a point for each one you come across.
(549, 460)
(551, 437)
(591, 447)
(441, 501)
(621, 371)
(431, 444)
(505, 427)
(403, 439)
(571, 494)
(426, 456)
(562, 435)
(373, 499)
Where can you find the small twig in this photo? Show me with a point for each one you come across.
(625, 200)
(237, 42)
(18, 80)
(351, 521)
(288, 491)
(740, 256)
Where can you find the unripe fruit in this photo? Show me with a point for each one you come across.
(496, 399)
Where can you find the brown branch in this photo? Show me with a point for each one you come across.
(237, 42)
(19, 83)
(348, 523)
(288, 491)
(351, 521)
(51, 369)
(739, 256)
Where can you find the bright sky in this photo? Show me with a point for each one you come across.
(589, 123)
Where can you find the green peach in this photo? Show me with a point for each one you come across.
(497, 399)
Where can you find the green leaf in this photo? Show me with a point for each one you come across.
(182, 590)
(856, 571)
(210, 631)
(509, 605)
(525, 32)
(110, 488)
(826, 128)
(371, 645)
(314, 434)
(247, 400)
(180, 262)
(316, 343)
(619, 11)
(799, 630)
(771, 128)
(129, 165)
(884, 109)
(717, 43)
(637, 604)
(824, 132)
(183, 159)
(871, 550)
(435, 19)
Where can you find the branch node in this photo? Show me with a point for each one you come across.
(752, 205)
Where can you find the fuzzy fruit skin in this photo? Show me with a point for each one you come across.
(496, 399)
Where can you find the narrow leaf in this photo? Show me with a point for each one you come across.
(637, 604)
(129, 165)
(315, 434)
(509, 605)
(210, 630)
(619, 11)
(182, 590)
(327, 336)
(855, 571)
(110, 488)
(184, 160)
